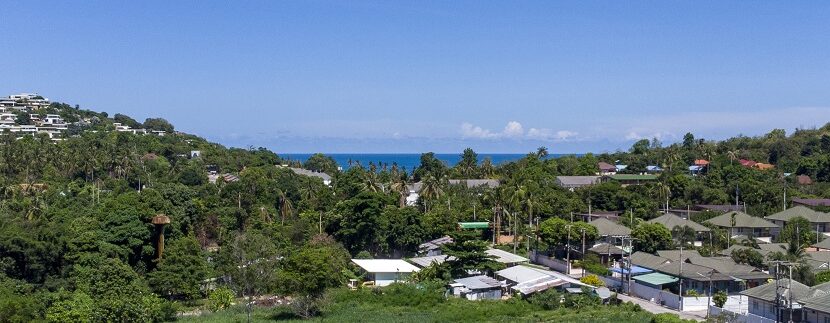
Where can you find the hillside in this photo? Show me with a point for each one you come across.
(78, 239)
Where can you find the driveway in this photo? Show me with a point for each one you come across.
(657, 309)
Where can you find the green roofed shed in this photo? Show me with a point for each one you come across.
(656, 279)
(474, 225)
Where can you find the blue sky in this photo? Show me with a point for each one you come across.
(414, 76)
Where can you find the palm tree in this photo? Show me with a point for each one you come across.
(733, 154)
(370, 182)
(516, 199)
(542, 152)
(400, 186)
(285, 206)
(431, 190)
(487, 168)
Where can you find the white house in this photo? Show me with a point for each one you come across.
(386, 271)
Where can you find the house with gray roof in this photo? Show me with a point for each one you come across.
(672, 222)
(326, 178)
(476, 288)
(808, 303)
(811, 202)
(817, 309)
(819, 221)
(574, 182)
(745, 224)
(609, 230)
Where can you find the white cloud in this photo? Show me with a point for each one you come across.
(470, 131)
(513, 129)
(565, 134)
(540, 133)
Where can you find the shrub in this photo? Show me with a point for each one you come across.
(220, 299)
(592, 280)
(548, 300)
(719, 298)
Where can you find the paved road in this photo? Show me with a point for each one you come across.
(657, 309)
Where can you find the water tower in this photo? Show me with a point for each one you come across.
(159, 221)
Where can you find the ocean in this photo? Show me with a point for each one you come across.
(408, 161)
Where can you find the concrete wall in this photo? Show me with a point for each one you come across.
(556, 264)
(490, 294)
(656, 296)
(385, 279)
(738, 317)
(694, 304)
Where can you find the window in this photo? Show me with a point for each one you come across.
(754, 305)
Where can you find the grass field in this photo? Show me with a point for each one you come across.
(410, 305)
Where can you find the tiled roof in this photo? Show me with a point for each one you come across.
(769, 290)
(647, 260)
(607, 227)
(670, 221)
(802, 211)
(742, 220)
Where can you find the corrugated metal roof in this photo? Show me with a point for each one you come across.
(429, 260)
(385, 265)
(474, 225)
(656, 279)
(505, 257)
(478, 282)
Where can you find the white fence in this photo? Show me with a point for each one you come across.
(694, 304)
(738, 317)
(553, 263)
(656, 296)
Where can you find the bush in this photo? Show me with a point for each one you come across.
(593, 280)
(719, 298)
(823, 277)
(220, 299)
(306, 307)
(548, 300)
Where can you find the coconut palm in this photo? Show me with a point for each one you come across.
(431, 189)
(286, 207)
(400, 186)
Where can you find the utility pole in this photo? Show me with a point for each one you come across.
(583, 250)
(681, 277)
(568, 249)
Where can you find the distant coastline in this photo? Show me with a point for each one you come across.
(407, 160)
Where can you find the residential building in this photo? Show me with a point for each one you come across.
(326, 178)
(527, 280)
(811, 202)
(383, 272)
(575, 182)
(630, 179)
(606, 169)
(653, 169)
(745, 224)
(809, 304)
(817, 309)
(717, 207)
(507, 258)
(672, 221)
(433, 247)
(819, 221)
(415, 188)
(609, 231)
(476, 288)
